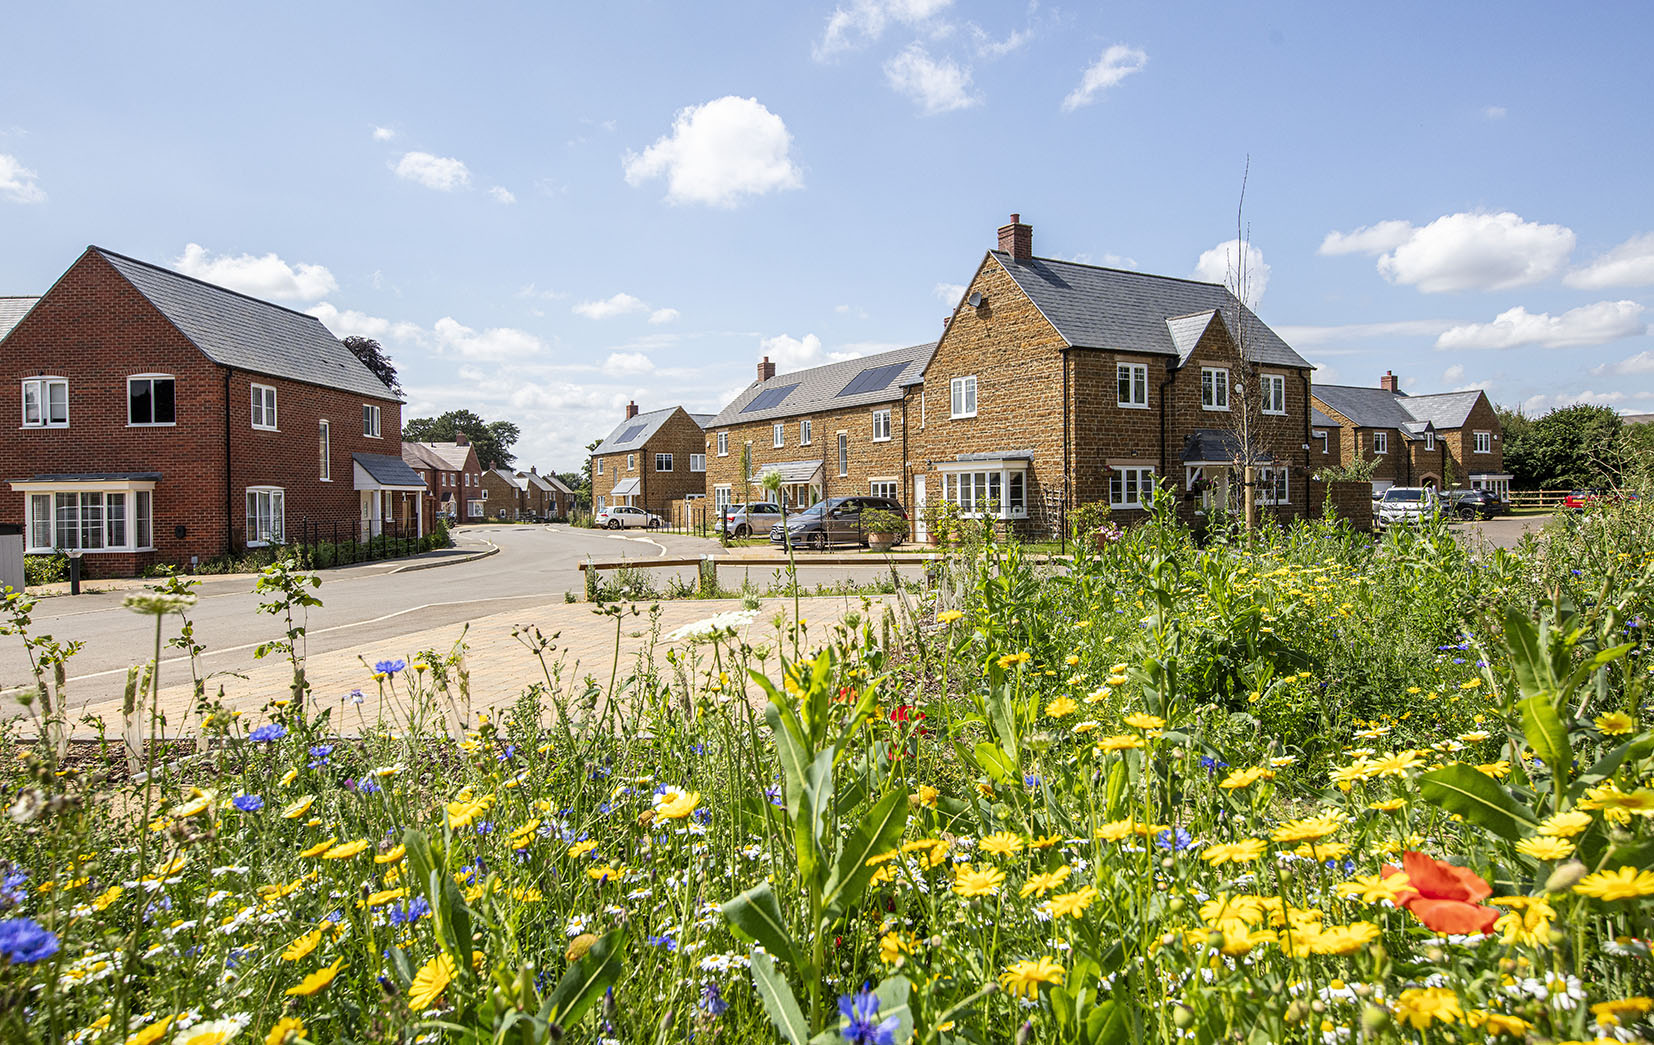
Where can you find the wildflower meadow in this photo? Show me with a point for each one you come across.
(1303, 785)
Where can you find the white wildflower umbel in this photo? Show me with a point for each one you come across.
(157, 602)
(714, 627)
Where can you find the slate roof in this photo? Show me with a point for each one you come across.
(1444, 409)
(1377, 408)
(388, 470)
(12, 309)
(704, 420)
(243, 332)
(551, 482)
(1319, 419)
(447, 456)
(819, 388)
(517, 479)
(641, 429)
(1120, 310)
(71, 477)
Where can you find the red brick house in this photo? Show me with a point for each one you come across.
(162, 419)
(453, 478)
(1450, 439)
(518, 495)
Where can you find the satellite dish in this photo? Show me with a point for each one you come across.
(977, 300)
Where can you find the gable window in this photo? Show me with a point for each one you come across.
(843, 453)
(1214, 388)
(1484, 442)
(264, 407)
(778, 433)
(65, 520)
(663, 462)
(46, 402)
(150, 401)
(324, 440)
(723, 444)
(881, 426)
(370, 420)
(804, 433)
(1130, 487)
(1381, 442)
(1430, 442)
(1273, 387)
(964, 396)
(266, 515)
(1133, 379)
(697, 462)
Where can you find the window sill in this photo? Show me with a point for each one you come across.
(886, 439)
(1132, 406)
(87, 551)
(29, 427)
(266, 428)
(1274, 413)
(324, 479)
(1214, 409)
(960, 417)
(151, 424)
(1134, 504)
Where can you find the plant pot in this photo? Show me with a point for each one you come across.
(881, 542)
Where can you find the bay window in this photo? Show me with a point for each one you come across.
(88, 520)
(994, 489)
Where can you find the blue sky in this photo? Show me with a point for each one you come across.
(544, 211)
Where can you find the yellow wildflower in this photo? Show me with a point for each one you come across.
(346, 850)
(1545, 847)
(1002, 843)
(316, 981)
(1041, 884)
(969, 882)
(1072, 905)
(1022, 979)
(285, 1030)
(1623, 884)
(429, 982)
(1243, 852)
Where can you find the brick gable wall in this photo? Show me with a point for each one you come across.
(679, 436)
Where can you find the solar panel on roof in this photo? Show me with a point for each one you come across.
(767, 398)
(873, 379)
(631, 433)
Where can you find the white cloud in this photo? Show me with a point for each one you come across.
(719, 152)
(791, 353)
(936, 86)
(443, 173)
(864, 21)
(618, 305)
(950, 293)
(383, 134)
(1460, 251)
(1586, 325)
(1494, 112)
(351, 323)
(493, 345)
(266, 277)
(501, 194)
(990, 48)
(663, 315)
(533, 292)
(1116, 63)
(17, 182)
(857, 349)
(1301, 336)
(622, 363)
(1641, 363)
(1453, 374)
(1220, 264)
(1631, 264)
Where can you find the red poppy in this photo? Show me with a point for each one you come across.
(905, 713)
(1443, 896)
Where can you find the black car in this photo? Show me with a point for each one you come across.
(836, 520)
(1472, 504)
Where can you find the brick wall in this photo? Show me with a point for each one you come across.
(679, 436)
(868, 460)
(503, 495)
(1461, 443)
(1350, 500)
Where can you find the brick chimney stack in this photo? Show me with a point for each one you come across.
(1017, 239)
(631, 410)
(1389, 383)
(766, 369)
(461, 439)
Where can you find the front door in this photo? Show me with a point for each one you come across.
(921, 528)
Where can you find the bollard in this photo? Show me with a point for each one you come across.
(74, 572)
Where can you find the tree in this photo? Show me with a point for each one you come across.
(492, 439)
(1572, 447)
(373, 356)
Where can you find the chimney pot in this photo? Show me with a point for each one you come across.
(1389, 383)
(631, 410)
(1017, 239)
(766, 369)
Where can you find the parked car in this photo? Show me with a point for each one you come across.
(1407, 504)
(624, 516)
(1473, 504)
(1579, 500)
(836, 520)
(743, 520)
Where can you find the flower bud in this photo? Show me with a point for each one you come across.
(1183, 1017)
(1296, 1012)
(1374, 1020)
(1565, 876)
(1025, 1033)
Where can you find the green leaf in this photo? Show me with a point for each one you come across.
(757, 913)
(1116, 793)
(994, 761)
(1602, 659)
(585, 981)
(1547, 735)
(1532, 666)
(1478, 798)
(877, 833)
(1106, 1024)
(778, 1000)
(1609, 764)
(893, 1001)
(810, 820)
(1638, 854)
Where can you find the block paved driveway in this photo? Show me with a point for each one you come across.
(379, 611)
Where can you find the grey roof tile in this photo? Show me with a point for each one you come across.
(1378, 408)
(1123, 311)
(388, 469)
(638, 430)
(238, 331)
(1444, 409)
(819, 388)
(12, 309)
(517, 479)
(449, 456)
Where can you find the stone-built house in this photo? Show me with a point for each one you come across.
(452, 476)
(1448, 440)
(651, 460)
(842, 428)
(163, 419)
(1058, 384)
(518, 495)
(548, 496)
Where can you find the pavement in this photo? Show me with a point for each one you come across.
(1501, 531)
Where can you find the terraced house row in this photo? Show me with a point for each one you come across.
(1057, 384)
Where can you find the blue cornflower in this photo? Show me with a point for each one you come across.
(862, 1026)
(1175, 839)
(1031, 779)
(12, 888)
(697, 749)
(247, 803)
(369, 786)
(485, 827)
(389, 667)
(416, 909)
(508, 754)
(355, 696)
(24, 940)
(319, 754)
(268, 734)
(712, 1000)
(774, 795)
(662, 941)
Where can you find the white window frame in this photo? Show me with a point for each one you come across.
(1482, 442)
(372, 421)
(631, 462)
(133, 522)
(475, 508)
(1128, 483)
(600, 466)
(264, 416)
(1430, 442)
(151, 378)
(978, 486)
(881, 426)
(806, 433)
(266, 504)
(697, 462)
(962, 397)
(723, 444)
(668, 459)
(1381, 443)
(1275, 485)
(1133, 378)
(1326, 441)
(1273, 387)
(883, 488)
(721, 496)
(324, 447)
(778, 434)
(1214, 379)
(843, 454)
(42, 388)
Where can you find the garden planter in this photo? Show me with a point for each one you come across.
(881, 542)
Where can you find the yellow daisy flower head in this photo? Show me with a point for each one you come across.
(346, 850)
(1309, 828)
(1627, 883)
(391, 856)
(1565, 825)
(316, 981)
(1143, 720)
(1373, 888)
(1614, 723)
(1002, 843)
(1022, 979)
(1121, 742)
(970, 882)
(1011, 660)
(949, 616)
(285, 1030)
(676, 804)
(298, 807)
(320, 847)
(579, 849)
(429, 982)
(1040, 884)
(1420, 1007)
(302, 946)
(1244, 778)
(1062, 707)
(1545, 847)
(1242, 852)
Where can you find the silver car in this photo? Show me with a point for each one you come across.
(744, 520)
(1407, 504)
